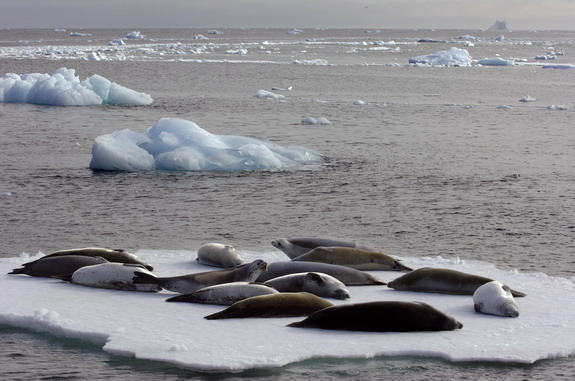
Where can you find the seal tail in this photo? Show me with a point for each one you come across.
(180, 298)
(143, 278)
(217, 315)
(299, 324)
(65, 278)
(376, 282)
(21, 270)
(398, 266)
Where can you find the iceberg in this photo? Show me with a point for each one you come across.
(63, 88)
(499, 25)
(181, 145)
(452, 57)
(142, 325)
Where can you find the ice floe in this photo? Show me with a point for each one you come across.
(452, 57)
(181, 145)
(144, 326)
(64, 88)
(320, 120)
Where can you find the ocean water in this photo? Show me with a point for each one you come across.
(429, 166)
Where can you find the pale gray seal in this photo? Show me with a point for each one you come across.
(315, 283)
(283, 304)
(57, 266)
(383, 316)
(358, 259)
(495, 298)
(346, 275)
(117, 255)
(225, 294)
(112, 275)
(219, 255)
(186, 284)
(439, 280)
(294, 247)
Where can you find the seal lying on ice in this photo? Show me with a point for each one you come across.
(318, 284)
(495, 298)
(347, 275)
(386, 316)
(443, 281)
(186, 284)
(294, 247)
(117, 255)
(283, 304)
(225, 294)
(358, 259)
(57, 266)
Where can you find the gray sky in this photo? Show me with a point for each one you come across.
(382, 14)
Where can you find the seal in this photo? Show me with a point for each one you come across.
(274, 305)
(57, 266)
(346, 275)
(186, 284)
(319, 284)
(358, 259)
(495, 298)
(442, 281)
(112, 275)
(382, 316)
(219, 255)
(117, 255)
(225, 294)
(294, 247)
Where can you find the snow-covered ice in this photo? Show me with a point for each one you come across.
(143, 325)
(452, 57)
(496, 61)
(181, 145)
(319, 120)
(64, 88)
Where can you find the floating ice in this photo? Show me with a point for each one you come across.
(237, 51)
(452, 57)
(359, 102)
(214, 31)
(264, 94)
(143, 325)
(320, 120)
(559, 66)
(181, 145)
(315, 62)
(499, 25)
(557, 108)
(63, 88)
(527, 98)
(495, 62)
(134, 35)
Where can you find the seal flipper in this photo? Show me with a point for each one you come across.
(477, 307)
(21, 270)
(517, 294)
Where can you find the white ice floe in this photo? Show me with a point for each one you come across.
(320, 120)
(64, 88)
(496, 61)
(504, 107)
(557, 108)
(559, 66)
(237, 51)
(144, 326)
(359, 102)
(452, 57)
(181, 145)
(527, 98)
(264, 94)
(134, 35)
(314, 62)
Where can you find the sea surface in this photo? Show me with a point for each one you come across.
(431, 165)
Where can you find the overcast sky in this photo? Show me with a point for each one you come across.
(382, 14)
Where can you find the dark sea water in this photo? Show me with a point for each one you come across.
(429, 166)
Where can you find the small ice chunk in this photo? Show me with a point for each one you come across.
(452, 57)
(264, 94)
(527, 98)
(321, 120)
